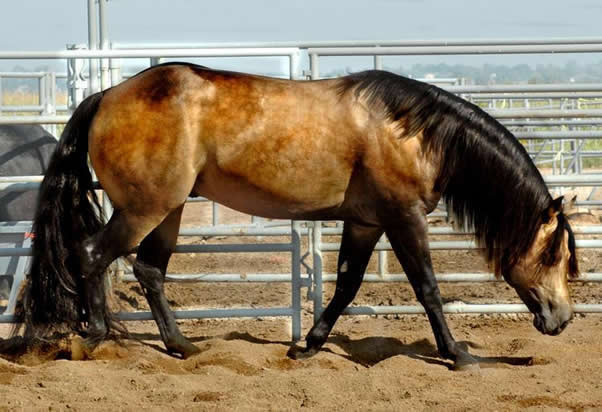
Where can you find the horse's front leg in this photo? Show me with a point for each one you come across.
(357, 245)
(410, 244)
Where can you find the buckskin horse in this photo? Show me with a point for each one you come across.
(373, 149)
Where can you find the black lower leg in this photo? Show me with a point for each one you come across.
(96, 311)
(357, 245)
(410, 244)
(150, 267)
(151, 279)
(97, 254)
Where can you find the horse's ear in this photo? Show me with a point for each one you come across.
(554, 209)
(571, 205)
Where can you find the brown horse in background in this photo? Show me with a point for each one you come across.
(373, 149)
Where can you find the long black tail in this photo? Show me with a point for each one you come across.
(67, 213)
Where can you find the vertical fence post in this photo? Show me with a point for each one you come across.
(314, 65)
(50, 104)
(154, 61)
(105, 75)
(579, 165)
(294, 62)
(93, 85)
(43, 97)
(107, 207)
(42, 92)
(296, 279)
(76, 81)
(215, 214)
(317, 269)
(18, 278)
(115, 68)
(378, 62)
(382, 263)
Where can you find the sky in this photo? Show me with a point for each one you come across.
(50, 25)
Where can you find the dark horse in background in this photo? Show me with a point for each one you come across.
(373, 149)
(24, 151)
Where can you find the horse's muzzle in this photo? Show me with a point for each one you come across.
(553, 324)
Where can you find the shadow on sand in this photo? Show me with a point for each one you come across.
(373, 350)
(147, 339)
(366, 352)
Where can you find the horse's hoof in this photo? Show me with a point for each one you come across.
(185, 350)
(13, 345)
(190, 351)
(81, 348)
(298, 353)
(466, 363)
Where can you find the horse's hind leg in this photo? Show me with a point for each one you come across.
(150, 267)
(410, 244)
(357, 245)
(120, 235)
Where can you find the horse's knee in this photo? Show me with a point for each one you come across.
(150, 277)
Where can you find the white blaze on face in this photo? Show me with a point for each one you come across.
(344, 267)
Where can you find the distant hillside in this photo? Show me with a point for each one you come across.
(501, 74)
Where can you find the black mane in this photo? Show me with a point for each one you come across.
(486, 177)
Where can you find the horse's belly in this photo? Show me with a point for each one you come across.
(241, 194)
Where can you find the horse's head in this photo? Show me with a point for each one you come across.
(541, 276)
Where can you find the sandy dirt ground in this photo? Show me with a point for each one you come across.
(369, 362)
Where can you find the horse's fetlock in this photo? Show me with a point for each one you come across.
(317, 335)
